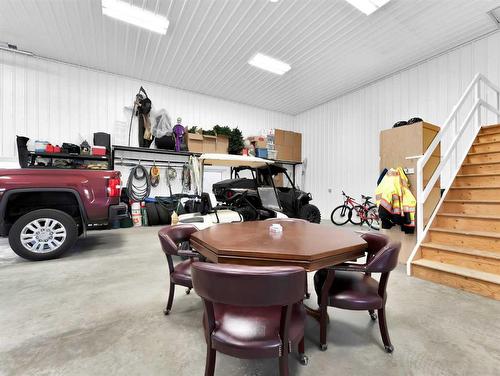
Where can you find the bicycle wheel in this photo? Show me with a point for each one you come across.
(372, 218)
(340, 215)
(356, 215)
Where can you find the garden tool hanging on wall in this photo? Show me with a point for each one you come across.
(171, 175)
(186, 178)
(141, 109)
(154, 175)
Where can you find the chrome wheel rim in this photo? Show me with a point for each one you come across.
(43, 235)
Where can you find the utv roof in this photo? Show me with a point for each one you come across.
(231, 160)
(274, 169)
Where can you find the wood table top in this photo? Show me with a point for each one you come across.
(309, 245)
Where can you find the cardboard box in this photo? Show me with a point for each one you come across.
(285, 152)
(194, 142)
(209, 144)
(280, 137)
(288, 145)
(222, 144)
(258, 141)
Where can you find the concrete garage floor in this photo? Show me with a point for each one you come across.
(98, 311)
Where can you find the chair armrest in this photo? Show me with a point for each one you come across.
(348, 267)
(187, 253)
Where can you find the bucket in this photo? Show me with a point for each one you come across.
(136, 214)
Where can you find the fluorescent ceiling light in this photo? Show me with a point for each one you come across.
(269, 64)
(368, 6)
(131, 14)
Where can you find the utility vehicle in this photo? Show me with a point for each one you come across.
(250, 198)
(245, 194)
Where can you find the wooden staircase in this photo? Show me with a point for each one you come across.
(462, 247)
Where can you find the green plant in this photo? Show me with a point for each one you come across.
(209, 132)
(222, 131)
(235, 141)
(192, 129)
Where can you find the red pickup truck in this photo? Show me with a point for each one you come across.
(43, 211)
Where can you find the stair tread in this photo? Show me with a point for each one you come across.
(462, 215)
(488, 234)
(458, 270)
(464, 250)
(489, 133)
(488, 128)
(480, 163)
(478, 175)
(485, 143)
(473, 201)
(477, 187)
(483, 152)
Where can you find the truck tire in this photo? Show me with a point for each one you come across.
(43, 234)
(310, 213)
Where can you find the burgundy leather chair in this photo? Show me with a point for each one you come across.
(175, 242)
(251, 312)
(350, 285)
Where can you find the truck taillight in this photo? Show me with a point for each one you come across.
(114, 187)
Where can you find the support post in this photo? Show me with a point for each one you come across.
(420, 203)
(455, 157)
(478, 97)
(498, 106)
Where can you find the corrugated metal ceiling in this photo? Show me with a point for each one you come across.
(331, 46)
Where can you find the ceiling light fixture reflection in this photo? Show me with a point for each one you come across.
(269, 64)
(136, 16)
(368, 6)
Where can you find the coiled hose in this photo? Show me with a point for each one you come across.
(138, 184)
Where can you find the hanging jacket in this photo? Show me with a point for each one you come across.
(396, 204)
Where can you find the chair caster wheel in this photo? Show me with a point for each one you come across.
(304, 360)
(373, 316)
(166, 312)
(323, 347)
(389, 349)
(188, 291)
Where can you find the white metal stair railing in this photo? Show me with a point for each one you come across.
(461, 142)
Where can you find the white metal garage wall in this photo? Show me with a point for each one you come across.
(341, 137)
(52, 101)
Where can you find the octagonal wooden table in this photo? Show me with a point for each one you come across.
(311, 246)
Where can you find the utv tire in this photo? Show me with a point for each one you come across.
(46, 234)
(310, 213)
(247, 213)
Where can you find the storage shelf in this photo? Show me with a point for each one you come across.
(134, 149)
(153, 151)
(172, 152)
(69, 156)
(80, 157)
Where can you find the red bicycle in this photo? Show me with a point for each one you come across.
(357, 214)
